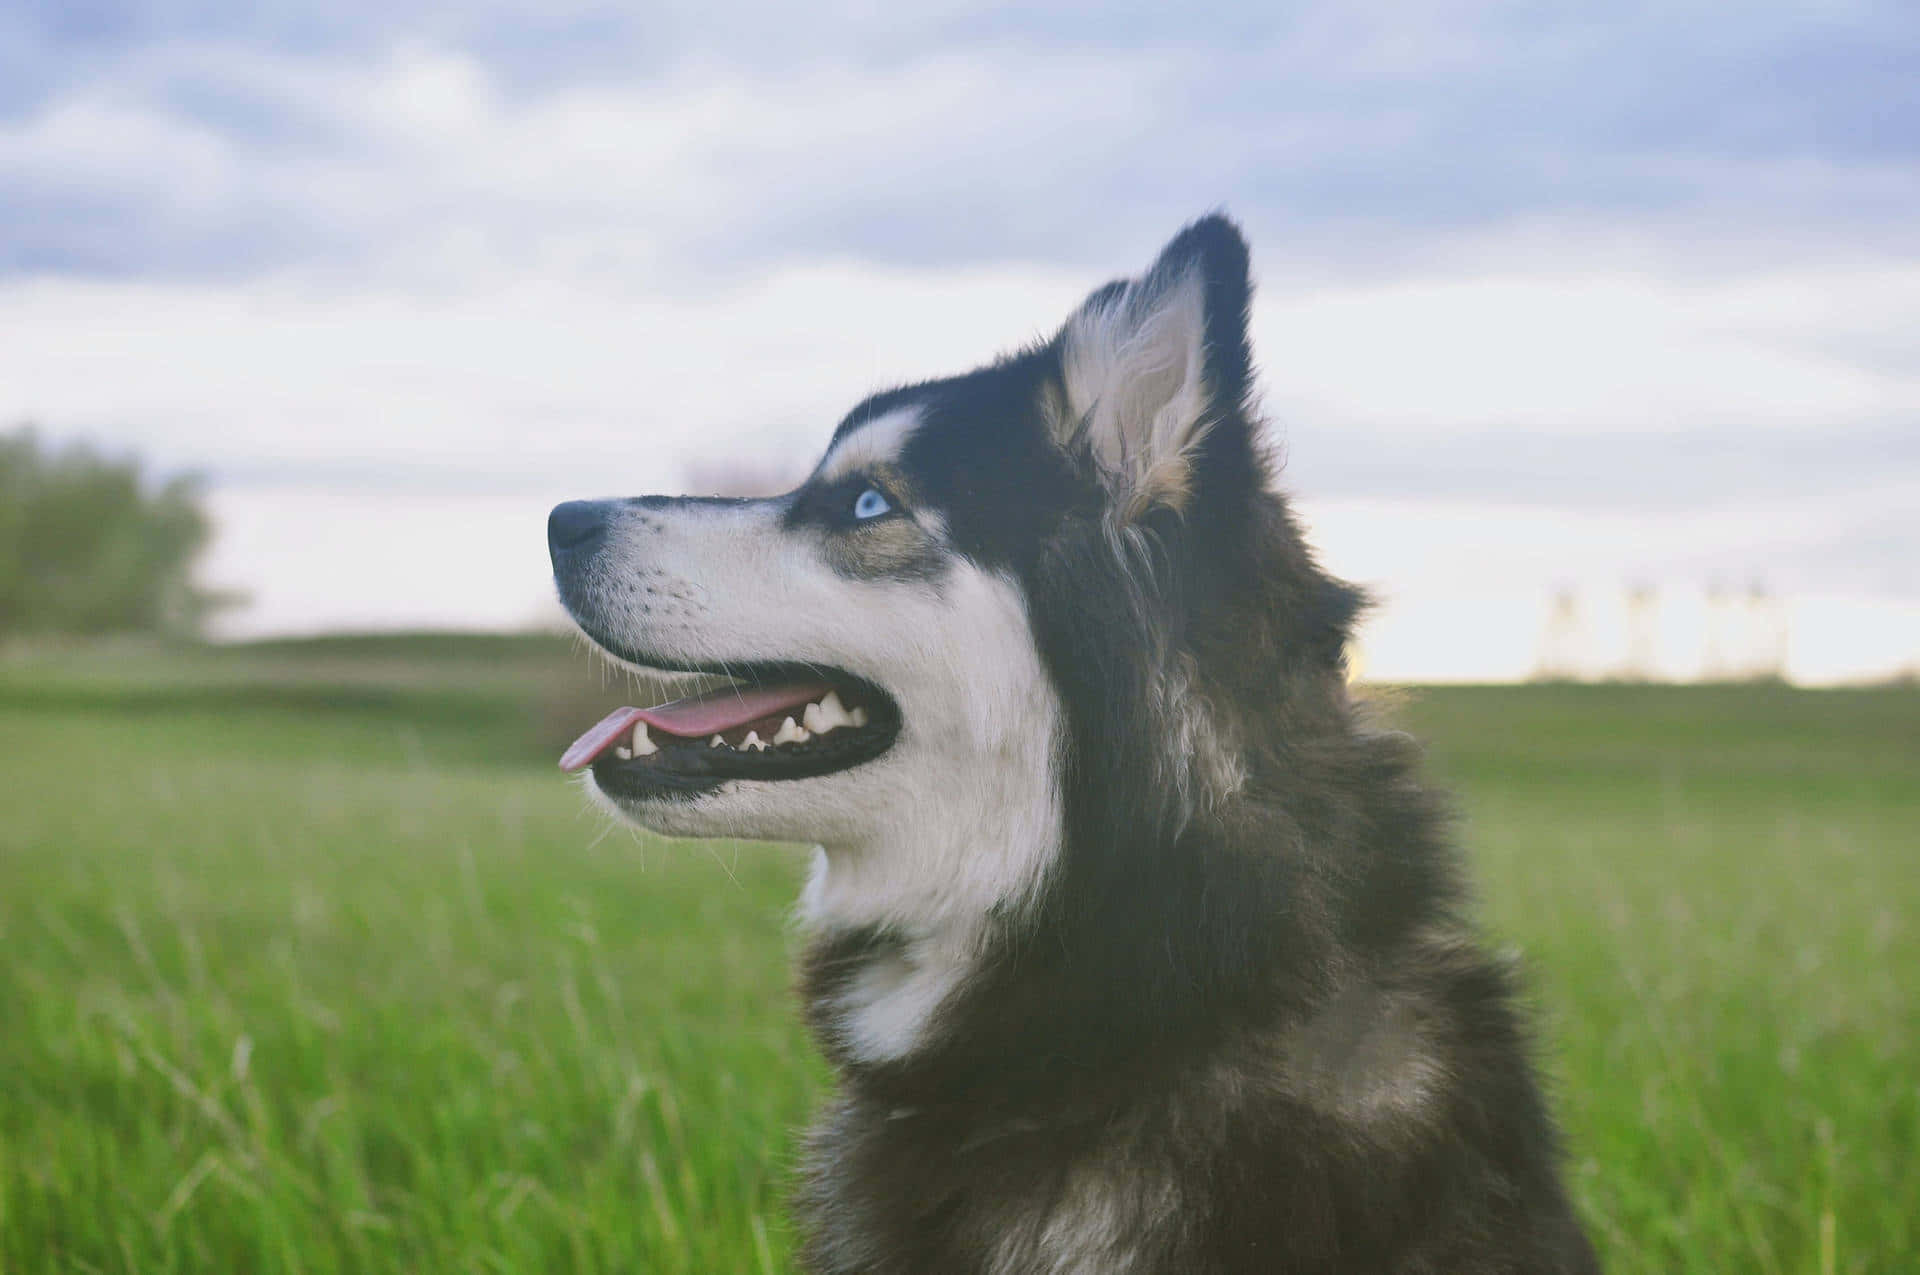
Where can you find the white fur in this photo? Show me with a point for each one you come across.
(1134, 367)
(875, 442)
(960, 817)
(885, 1009)
(1094, 1225)
(1200, 764)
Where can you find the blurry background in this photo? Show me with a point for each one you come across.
(1589, 332)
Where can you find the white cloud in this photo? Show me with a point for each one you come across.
(521, 376)
(1574, 350)
(96, 142)
(420, 165)
(524, 370)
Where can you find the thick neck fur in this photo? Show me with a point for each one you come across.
(1243, 830)
(888, 955)
(1242, 1027)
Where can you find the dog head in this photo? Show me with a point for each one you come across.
(989, 584)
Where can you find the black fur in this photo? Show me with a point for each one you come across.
(1243, 1031)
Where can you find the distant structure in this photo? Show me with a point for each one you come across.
(1643, 634)
(1744, 636)
(1560, 645)
(1768, 626)
(1721, 635)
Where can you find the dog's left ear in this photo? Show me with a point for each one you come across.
(1149, 366)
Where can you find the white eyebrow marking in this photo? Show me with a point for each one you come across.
(874, 442)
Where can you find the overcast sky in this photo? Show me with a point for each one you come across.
(1552, 296)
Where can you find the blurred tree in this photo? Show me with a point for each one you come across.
(88, 547)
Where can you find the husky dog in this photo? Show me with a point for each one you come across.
(1136, 948)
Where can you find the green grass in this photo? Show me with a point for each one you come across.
(310, 961)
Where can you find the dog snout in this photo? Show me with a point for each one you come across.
(576, 530)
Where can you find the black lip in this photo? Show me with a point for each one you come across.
(685, 768)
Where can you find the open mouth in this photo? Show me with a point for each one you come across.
(766, 723)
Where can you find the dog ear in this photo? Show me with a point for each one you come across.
(1149, 366)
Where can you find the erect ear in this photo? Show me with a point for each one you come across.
(1149, 366)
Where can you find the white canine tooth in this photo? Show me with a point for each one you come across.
(754, 742)
(858, 717)
(623, 752)
(643, 745)
(789, 733)
(832, 715)
(716, 742)
(814, 720)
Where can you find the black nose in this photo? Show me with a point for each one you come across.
(576, 528)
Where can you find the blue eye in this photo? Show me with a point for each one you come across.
(870, 504)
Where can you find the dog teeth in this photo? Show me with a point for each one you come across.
(829, 714)
(623, 752)
(643, 745)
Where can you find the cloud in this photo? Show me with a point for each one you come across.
(510, 378)
(421, 161)
(369, 138)
(1770, 403)
(1572, 350)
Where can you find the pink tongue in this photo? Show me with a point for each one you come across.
(599, 739)
(704, 715)
(693, 718)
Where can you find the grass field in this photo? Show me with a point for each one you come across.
(311, 961)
